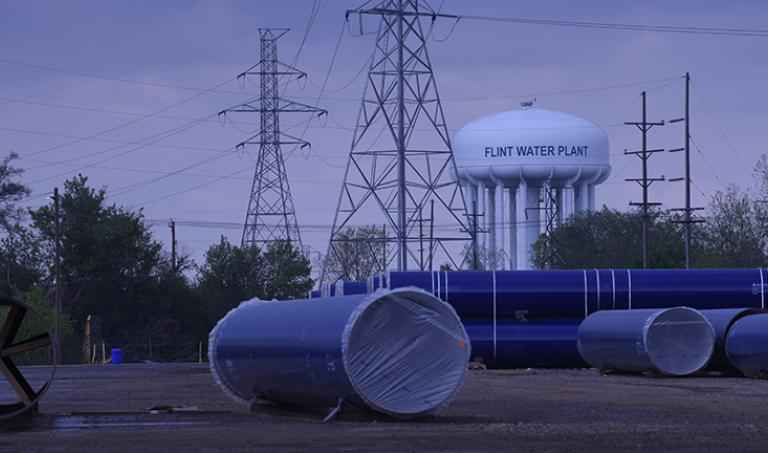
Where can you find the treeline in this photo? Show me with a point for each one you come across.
(732, 234)
(116, 273)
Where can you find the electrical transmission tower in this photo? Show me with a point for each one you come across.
(645, 181)
(552, 206)
(271, 215)
(396, 180)
(688, 210)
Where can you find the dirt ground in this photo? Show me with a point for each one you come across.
(105, 408)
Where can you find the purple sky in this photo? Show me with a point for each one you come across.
(78, 80)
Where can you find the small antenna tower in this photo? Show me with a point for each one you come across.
(271, 214)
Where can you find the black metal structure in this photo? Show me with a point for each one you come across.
(271, 215)
(399, 180)
(27, 397)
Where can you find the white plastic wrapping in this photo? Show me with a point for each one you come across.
(673, 341)
(401, 352)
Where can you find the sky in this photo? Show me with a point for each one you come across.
(126, 93)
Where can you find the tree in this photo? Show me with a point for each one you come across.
(109, 259)
(733, 235)
(358, 253)
(612, 239)
(22, 261)
(232, 274)
(11, 192)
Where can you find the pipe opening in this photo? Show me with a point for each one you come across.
(679, 341)
(405, 352)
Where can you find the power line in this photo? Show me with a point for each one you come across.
(153, 139)
(134, 121)
(714, 31)
(331, 65)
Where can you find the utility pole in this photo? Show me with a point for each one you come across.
(688, 219)
(645, 182)
(172, 226)
(271, 214)
(475, 235)
(413, 164)
(57, 235)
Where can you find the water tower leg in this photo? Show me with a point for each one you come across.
(513, 219)
(591, 197)
(533, 225)
(581, 196)
(501, 258)
(483, 212)
(522, 226)
(491, 227)
(560, 208)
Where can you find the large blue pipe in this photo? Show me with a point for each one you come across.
(574, 294)
(746, 345)
(401, 352)
(512, 344)
(511, 315)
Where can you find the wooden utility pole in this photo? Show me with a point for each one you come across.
(688, 219)
(645, 182)
(172, 226)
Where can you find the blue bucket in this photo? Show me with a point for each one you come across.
(117, 356)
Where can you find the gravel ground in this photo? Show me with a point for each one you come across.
(106, 409)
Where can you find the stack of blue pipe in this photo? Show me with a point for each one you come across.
(519, 319)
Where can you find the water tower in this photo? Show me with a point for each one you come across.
(514, 164)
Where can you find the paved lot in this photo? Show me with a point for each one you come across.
(105, 409)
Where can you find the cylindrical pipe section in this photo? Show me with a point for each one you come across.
(591, 198)
(674, 341)
(722, 320)
(746, 345)
(516, 344)
(401, 352)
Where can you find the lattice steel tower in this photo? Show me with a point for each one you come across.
(271, 214)
(396, 182)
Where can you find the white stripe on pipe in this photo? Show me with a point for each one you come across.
(762, 289)
(438, 284)
(494, 315)
(432, 277)
(597, 278)
(586, 310)
(613, 286)
(446, 286)
(629, 287)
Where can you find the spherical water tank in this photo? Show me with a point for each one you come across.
(533, 145)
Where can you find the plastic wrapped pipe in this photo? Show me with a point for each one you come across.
(672, 341)
(540, 295)
(746, 345)
(722, 320)
(401, 352)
